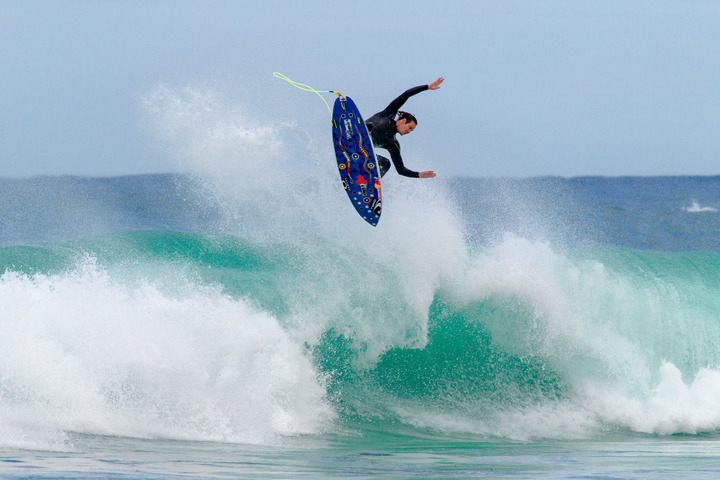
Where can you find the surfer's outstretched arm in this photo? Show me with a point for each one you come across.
(395, 105)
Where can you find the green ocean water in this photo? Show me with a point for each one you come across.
(213, 349)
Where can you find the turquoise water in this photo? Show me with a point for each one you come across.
(369, 456)
(185, 326)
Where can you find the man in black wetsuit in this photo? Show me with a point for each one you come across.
(383, 126)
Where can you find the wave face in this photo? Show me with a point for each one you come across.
(245, 302)
(215, 337)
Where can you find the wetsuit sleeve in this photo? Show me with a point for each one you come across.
(394, 150)
(395, 105)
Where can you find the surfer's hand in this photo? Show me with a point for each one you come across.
(427, 174)
(436, 84)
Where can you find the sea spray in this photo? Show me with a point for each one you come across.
(262, 175)
(382, 281)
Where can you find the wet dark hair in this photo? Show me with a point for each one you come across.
(407, 116)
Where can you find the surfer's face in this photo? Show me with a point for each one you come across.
(403, 127)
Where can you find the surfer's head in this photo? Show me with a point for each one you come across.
(405, 123)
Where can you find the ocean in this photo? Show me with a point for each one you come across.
(249, 324)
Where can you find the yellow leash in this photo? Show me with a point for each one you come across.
(307, 88)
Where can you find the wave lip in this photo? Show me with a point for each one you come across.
(533, 343)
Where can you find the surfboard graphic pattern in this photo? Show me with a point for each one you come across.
(356, 160)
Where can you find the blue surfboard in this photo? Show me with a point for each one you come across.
(356, 160)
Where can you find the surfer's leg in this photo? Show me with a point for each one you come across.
(383, 164)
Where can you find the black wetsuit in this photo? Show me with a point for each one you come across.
(383, 129)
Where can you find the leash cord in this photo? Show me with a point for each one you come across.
(307, 88)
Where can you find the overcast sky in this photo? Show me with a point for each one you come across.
(536, 87)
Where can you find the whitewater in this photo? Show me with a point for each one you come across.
(239, 320)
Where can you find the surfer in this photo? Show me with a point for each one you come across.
(384, 125)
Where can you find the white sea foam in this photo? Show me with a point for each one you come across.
(619, 338)
(695, 207)
(672, 405)
(83, 353)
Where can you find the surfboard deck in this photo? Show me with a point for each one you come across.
(356, 160)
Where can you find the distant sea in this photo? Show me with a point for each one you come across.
(186, 326)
